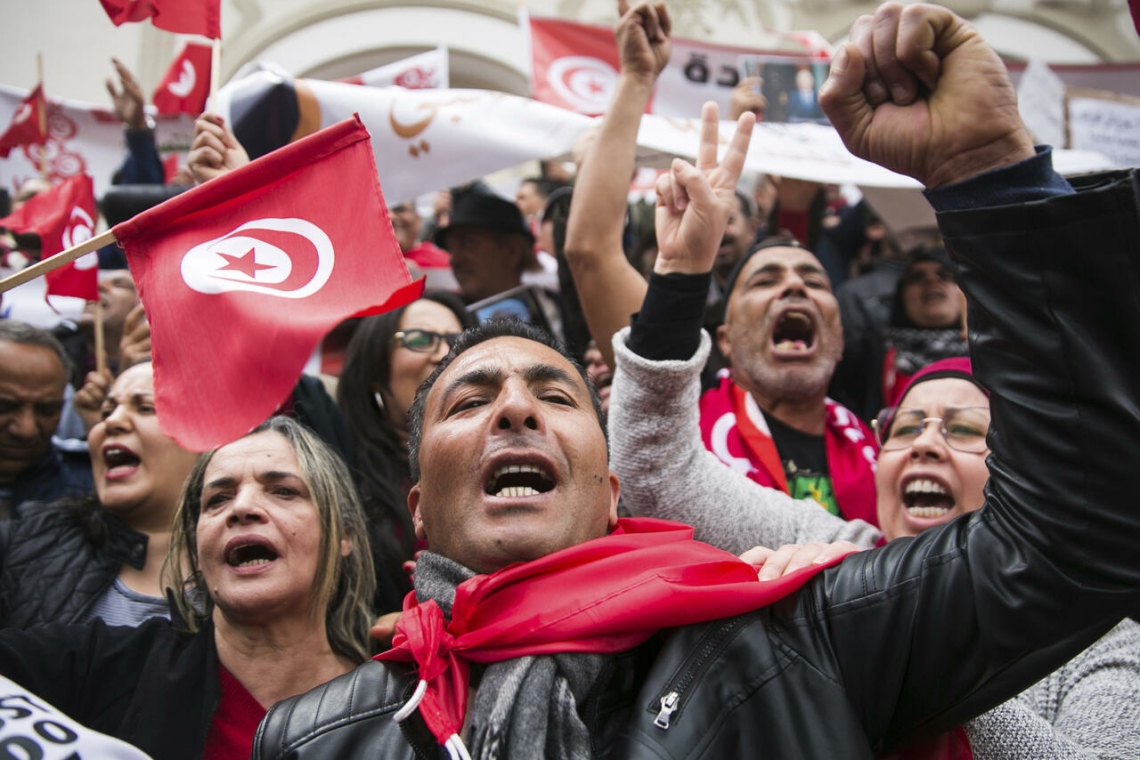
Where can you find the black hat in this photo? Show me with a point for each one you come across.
(488, 211)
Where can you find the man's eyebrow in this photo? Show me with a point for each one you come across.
(769, 268)
(547, 372)
(808, 266)
(481, 376)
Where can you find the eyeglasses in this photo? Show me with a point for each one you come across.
(423, 341)
(963, 428)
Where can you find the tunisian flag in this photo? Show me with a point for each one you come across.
(241, 278)
(186, 85)
(63, 217)
(27, 125)
(182, 16)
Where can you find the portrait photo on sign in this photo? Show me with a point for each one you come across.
(789, 84)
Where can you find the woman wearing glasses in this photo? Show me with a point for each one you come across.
(388, 358)
(931, 469)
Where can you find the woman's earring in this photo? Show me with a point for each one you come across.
(379, 400)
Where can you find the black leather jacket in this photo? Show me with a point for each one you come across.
(56, 560)
(918, 636)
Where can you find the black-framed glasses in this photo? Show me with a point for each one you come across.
(964, 428)
(423, 341)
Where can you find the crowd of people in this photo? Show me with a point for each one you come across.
(743, 475)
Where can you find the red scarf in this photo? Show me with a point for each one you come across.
(733, 428)
(604, 596)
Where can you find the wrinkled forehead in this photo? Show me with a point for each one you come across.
(778, 260)
(493, 361)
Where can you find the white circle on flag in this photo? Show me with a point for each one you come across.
(187, 78)
(87, 261)
(243, 261)
(80, 228)
(585, 83)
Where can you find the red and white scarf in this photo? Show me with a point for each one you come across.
(733, 427)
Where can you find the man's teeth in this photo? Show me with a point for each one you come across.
(514, 468)
(792, 345)
(515, 491)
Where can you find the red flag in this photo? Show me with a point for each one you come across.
(241, 278)
(186, 85)
(63, 217)
(183, 16)
(573, 65)
(28, 123)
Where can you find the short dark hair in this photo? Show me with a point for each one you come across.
(471, 337)
(15, 331)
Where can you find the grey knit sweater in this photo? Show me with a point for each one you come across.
(1090, 708)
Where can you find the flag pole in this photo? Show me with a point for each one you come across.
(42, 111)
(58, 260)
(100, 344)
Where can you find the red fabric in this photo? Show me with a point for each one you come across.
(28, 125)
(604, 596)
(182, 16)
(63, 217)
(235, 721)
(731, 431)
(586, 61)
(241, 278)
(169, 167)
(429, 256)
(1134, 6)
(186, 85)
(795, 223)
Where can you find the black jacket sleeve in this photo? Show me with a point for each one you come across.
(931, 631)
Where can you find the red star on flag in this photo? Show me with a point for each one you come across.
(246, 264)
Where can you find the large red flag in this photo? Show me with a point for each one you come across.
(241, 278)
(63, 217)
(27, 125)
(186, 85)
(183, 16)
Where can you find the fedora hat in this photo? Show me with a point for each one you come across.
(488, 211)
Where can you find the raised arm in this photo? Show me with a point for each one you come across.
(993, 601)
(609, 287)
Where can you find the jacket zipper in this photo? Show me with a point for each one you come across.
(670, 699)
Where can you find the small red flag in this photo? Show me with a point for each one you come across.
(27, 125)
(63, 217)
(573, 65)
(186, 85)
(182, 16)
(241, 278)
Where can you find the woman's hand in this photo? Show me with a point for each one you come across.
(776, 563)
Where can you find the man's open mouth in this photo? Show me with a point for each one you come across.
(519, 480)
(794, 331)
